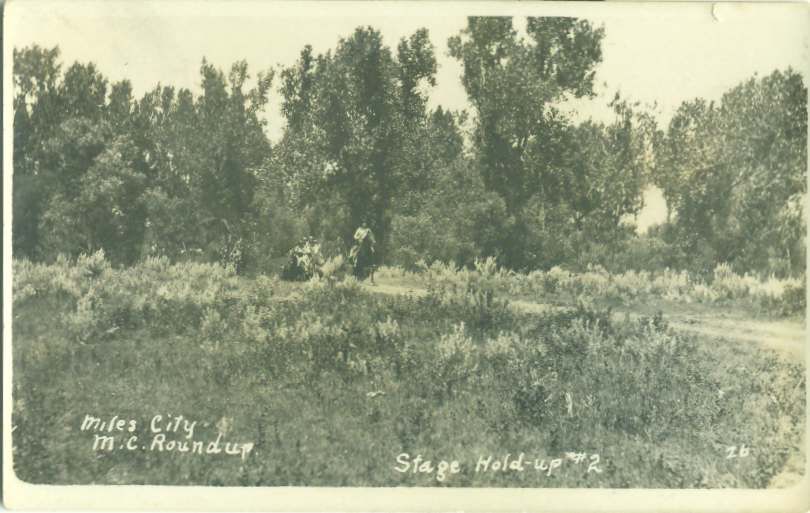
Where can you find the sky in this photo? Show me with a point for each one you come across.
(660, 55)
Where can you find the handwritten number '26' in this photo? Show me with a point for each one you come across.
(733, 451)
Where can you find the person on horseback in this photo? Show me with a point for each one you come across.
(362, 253)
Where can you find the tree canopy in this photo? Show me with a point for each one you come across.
(193, 175)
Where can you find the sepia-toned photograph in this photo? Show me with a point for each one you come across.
(405, 245)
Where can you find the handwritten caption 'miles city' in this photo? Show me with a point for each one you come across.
(165, 433)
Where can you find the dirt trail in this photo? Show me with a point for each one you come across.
(786, 338)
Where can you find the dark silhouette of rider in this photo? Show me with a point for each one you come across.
(362, 253)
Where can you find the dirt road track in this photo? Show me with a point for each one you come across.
(786, 338)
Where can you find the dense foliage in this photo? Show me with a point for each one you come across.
(734, 175)
(192, 176)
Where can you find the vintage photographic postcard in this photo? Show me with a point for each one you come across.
(416, 256)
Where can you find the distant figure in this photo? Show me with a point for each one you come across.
(362, 253)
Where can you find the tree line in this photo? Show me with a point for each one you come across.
(194, 176)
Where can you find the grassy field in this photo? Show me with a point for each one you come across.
(332, 382)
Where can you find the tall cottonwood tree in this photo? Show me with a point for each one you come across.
(513, 84)
(733, 173)
(36, 75)
(205, 152)
(354, 121)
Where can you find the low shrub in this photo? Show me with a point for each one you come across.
(780, 296)
(474, 293)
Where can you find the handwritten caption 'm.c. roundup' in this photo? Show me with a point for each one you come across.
(166, 434)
